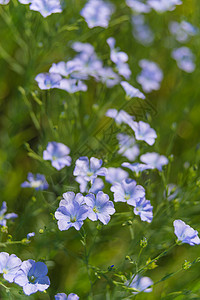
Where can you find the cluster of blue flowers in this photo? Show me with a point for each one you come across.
(63, 296)
(185, 234)
(183, 55)
(70, 75)
(128, 191)
(45, 7)
(143, 132)
(57, 153)
(142, 6)
(74, 209)
(182, 32)
(91, 202)
(30, 275)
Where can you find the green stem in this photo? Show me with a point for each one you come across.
(167, 277)
(86, 260)
(9, 243)
(156, 258)
(164, 179)
(138, 260)
(5, 287)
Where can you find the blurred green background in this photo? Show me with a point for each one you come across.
(29, 44)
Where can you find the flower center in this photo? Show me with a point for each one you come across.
(32, 279)
(127, 197)
(139, 208)
(36, 183)
(89, 173)
(5, 271)
(73, 219)
(48, 83)
(95, 209)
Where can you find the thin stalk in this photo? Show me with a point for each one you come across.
(156, 258)
(86, 260)
(10, 243)
(5, 287)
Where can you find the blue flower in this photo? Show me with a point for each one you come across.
(63, 296)
(85, 64)
(99, 207)
(9, 265)
(70, 197)
(136, 167)
(96, 186)
(144, 209)
(31, 234)
(115, 175)
(88, 64)
(127, 191)
(154, 160)
(119, 58)
(138, 6)
(150, 76)
(163, 5)
(131, 91)
(141, 31)
(84, 48)
(185, 233)
(143, 132)
(46, 7)
(3, 217)
(83, 184)
(142, 284)
(89, 169)
(4, 2)
(71, 213)
(184, 59)
(97, 13)
(120, 117)
(127, 146)
(108, 77)
(124, 70)
(72, 85)
(171, 191)
(116, 55)
(48, 81)
(32, 277)
(76, 69)
(37, 182)
(53, 79)
(25, 1)
(57, 153)
(182, 31)
(65, 68)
